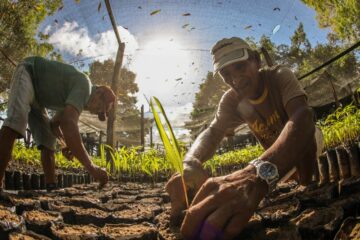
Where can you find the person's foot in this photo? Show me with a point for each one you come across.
(101, 176)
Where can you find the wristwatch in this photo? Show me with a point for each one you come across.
(266, 171)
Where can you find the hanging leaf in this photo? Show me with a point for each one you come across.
(99, 7)
(276, 29)
(186, 14)
(77, 1)
(155, 12)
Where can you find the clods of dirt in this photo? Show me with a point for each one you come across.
(28, 235)
(279, 213)
(75, 232)
(319, 223)
(143, 231)
(350, 229)
(40, 221)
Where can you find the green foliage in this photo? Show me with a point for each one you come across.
(234, 158)
(341, 16)
(172, 149)
(341, 127)
(31, 156)
(19, 21)
(132, 162)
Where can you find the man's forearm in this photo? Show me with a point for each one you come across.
(205, 145)
(72, 137)
(293, 142)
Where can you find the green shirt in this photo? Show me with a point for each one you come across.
(57, 84)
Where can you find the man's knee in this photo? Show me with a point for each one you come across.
(9, 133)
(46, 152)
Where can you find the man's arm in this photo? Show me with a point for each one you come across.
(205, 145)
(242, 190)
(296, 138)
(68, 122)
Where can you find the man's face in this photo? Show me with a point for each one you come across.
(100, 107)
(243, 77)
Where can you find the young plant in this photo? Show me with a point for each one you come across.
(172, 149)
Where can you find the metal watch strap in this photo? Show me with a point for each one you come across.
(271, 182)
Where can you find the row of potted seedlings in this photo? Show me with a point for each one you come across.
(17, 180)
(339, 163)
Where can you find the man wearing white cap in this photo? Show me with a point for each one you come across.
(273, 104)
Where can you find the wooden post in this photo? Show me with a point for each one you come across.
(114, 87)
(142, 128)
(100, 141)
(115, 81)
(151, 137)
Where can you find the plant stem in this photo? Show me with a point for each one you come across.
(185, 192)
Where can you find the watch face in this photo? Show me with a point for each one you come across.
(267, 171)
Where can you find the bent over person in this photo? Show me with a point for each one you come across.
(39, 84)
(273, 104)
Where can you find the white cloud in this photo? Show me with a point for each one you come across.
(71, 38)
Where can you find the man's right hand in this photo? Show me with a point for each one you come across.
(194, 176)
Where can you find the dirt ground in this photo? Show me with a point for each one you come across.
(140, 211)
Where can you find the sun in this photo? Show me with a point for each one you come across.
(159, 62)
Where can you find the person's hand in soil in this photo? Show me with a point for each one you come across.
(224, 205)
(100, 175)
(194, 176)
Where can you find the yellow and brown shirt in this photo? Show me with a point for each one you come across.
(265, 116)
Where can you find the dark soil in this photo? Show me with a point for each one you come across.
(141, 211)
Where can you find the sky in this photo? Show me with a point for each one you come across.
(170, 52)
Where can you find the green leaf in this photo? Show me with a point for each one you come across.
(172, 149)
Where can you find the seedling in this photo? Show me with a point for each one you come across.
(172, 149)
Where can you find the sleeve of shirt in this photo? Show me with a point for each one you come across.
(79, 94)
(226, 118)
(288, 85)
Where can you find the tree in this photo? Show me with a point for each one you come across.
(299, 49)
(19, 21)
(344, 67)
(128, 116)
(341, 16)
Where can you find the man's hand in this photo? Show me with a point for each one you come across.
(194, 176)
(224, 205)
(66, 152)
(56, 130)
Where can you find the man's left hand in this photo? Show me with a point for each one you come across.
(66, 152)
(224, 205)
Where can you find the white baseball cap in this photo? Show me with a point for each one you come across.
(228, 51)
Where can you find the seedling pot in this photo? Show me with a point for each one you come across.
(352, 151)
(343, 162)
(333, 165)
